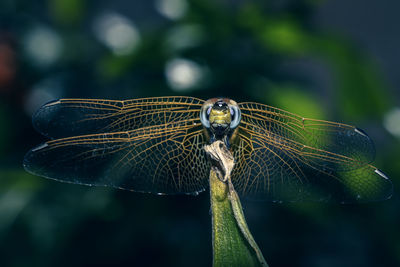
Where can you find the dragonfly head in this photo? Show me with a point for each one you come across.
(220, 116)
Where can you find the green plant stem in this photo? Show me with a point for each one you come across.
(233, 244)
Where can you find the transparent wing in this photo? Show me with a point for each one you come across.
(165, 158)
(283, 157)
(70, 117)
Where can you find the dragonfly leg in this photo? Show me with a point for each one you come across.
(226, 142)
(212, 138)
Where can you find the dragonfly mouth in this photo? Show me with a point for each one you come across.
(220, 131)
(220, 127)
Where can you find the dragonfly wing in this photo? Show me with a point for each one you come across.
(283, 157)
(165, 159)
(71, 117)
(343, 147)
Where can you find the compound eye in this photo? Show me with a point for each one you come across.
(236, 116)
(208, 112)
(205, 115)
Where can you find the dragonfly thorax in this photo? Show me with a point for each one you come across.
(220, 116)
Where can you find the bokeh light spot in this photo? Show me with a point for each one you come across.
(392, 121)
(183, 74)
(43, 46)
(172, 9)
(117, 32)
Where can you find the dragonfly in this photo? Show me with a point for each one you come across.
(156, 145)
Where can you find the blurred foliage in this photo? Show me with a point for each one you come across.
(67, 12)
(265, 51)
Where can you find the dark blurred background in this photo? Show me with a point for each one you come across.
(335, 60)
